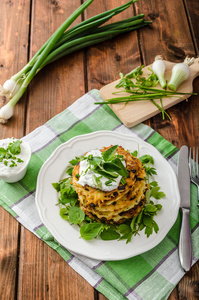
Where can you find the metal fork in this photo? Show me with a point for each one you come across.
(193, 165)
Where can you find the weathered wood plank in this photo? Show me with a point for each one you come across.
(121, 54)
(171, 36)
(43, 274)
(14, 30)
(61, 83)
(192, 8)
(9, 231)
(106, 60)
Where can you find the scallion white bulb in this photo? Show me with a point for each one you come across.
(158, 67)
(180, 73)
(9, 88)
(6, 112)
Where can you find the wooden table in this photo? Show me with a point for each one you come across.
(29, 269)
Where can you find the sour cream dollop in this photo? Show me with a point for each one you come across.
(15, 173)
(86, 175)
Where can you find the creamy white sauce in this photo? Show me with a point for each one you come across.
(86, 175)
(7, 171)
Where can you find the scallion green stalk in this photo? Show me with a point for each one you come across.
(63, 42)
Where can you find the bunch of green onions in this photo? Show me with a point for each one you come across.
(63, 42)
(135, 91)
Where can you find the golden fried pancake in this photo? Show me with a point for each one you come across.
(120, 204)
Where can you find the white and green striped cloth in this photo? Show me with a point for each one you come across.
(151, 275)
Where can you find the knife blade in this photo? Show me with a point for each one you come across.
(185, 243)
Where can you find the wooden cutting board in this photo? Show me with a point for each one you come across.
(136, 112)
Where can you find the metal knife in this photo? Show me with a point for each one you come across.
(185, 243)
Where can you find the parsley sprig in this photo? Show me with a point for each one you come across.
(90, 229)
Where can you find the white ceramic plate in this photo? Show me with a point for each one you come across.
(68, 235)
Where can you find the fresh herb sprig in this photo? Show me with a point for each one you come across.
(9, 155)
(90, 229)
(108, 165)
(141, 88)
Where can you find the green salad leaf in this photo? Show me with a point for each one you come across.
(91, 230)
(76, 215)
(110, 165)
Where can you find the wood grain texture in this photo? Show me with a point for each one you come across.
(9, 231)
(43, 274)
(30, 268)
(134, 113)
(171, 36)
(14, 30)
(192, 9)
(106, 60)
(61, 83)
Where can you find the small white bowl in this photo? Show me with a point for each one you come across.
(21, 171)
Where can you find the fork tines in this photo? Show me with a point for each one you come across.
(193, 164)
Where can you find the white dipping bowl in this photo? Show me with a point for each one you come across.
(17, 174)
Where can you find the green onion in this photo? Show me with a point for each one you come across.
(142, 92)
(64, 41)
(158, 67)
(180, 73)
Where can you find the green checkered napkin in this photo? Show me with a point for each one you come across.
(151, 275)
